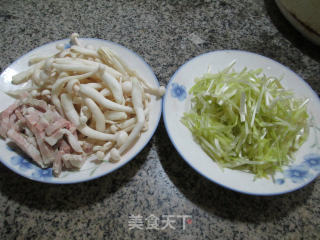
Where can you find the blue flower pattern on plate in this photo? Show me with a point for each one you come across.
(42, 173)
(302, 172)
(298, 174)
(178, 91)
(21, 162)
(312, 161)
(67, 45)
(25, 164)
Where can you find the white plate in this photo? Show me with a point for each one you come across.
(90, 170)
(307, 164)
(303, 27)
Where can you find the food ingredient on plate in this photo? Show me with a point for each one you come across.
(78, 103)
(246, 120)
(39, 130)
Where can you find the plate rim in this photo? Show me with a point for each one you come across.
(189, 162)
(301, 27)
(51, 181)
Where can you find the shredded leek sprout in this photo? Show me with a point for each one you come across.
(246, 120)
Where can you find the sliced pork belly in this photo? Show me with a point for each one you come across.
(5, 118)
(26, 146)
(42, 133)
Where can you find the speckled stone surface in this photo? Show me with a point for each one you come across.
(157, 181)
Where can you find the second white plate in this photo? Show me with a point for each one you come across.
(307, 160)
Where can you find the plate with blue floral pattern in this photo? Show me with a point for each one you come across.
(16, 161)
(306, 165)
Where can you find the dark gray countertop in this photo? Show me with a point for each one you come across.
(157, 181)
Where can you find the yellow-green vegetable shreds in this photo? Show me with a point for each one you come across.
(246, 120)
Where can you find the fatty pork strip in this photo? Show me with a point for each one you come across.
(42, 133)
